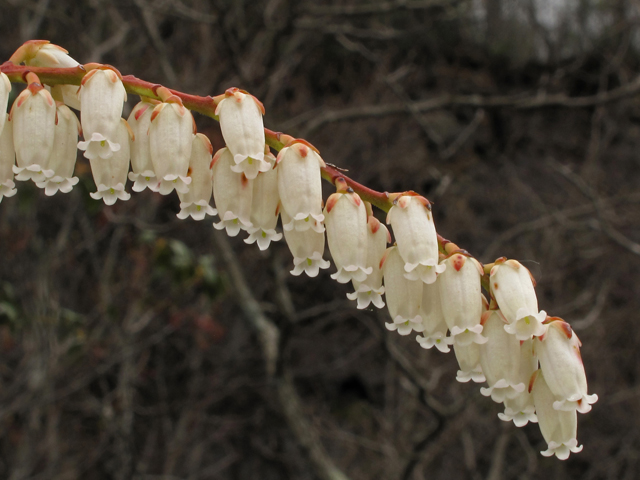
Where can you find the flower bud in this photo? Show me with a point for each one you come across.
(500, 359)
(7, 160)
(435, 327)
(559, 428)
(346, 224)
(41, 53)
(461, 298)
(110, 174)
(170, 140)
(34, 117)
(307, 248)
(559, 354)
(300, 186)
(143, 174)
(243, 131)
(403, 295)
(468, 357)
(102, 96)
(370, 290)
(265, 208)
(64, 154)
(512, 287)
(5, 90)
(195, 202)
(412, 222)
(233, 193)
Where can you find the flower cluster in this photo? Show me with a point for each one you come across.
(530, 362)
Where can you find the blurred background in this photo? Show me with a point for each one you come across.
(136, 345)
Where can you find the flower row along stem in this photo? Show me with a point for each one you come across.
(203, 105)
(529, 360)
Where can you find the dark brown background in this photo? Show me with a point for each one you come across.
(128, 345)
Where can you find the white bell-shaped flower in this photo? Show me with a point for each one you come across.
(307, 248)
(500, 359)
(143, 175)
(7, 160)
(265, 208)
(468, 357)
(412, 222)
(242, 128)
(346, 223)
(513, 288)
(110, 174)
(300, 186)
(5, 90)
(195, 202)
(461, 297)
(403, 295)
(521, 409)
(170, 141)
(371, 289)
(559, 354)
(34, 119)
(41, 53)
(559, 428)
(233, 194)
(64, 154)
(102, 96)
(435, 326)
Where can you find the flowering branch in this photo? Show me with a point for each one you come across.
(431, 286)
(203, 105)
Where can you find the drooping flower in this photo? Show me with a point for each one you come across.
(7, 160)
(300, 186)
(33, 115)
(468, 357)
(412, 222)
(461, 298)
(64, 154)
(110, 174)
(521, 409)
(559, 428)
(346, 224)
(371, 289)
(513, 288)
(265, 207)
(41, 53)
(559, 354)
(143, 174)
(403, 295)
(307, 248)
(233, 194)
(195, 202)
(5, 89)
(500, 359)
(170, 140)
(243, 131)
(102, 96)
(435, 326)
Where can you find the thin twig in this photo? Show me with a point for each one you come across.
(269, 338)
(604, 224)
